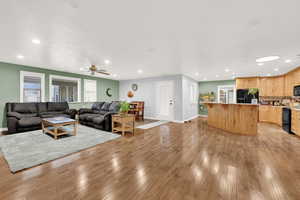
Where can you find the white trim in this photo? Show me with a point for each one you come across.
(69, 79)
(175, 121)
(234, 93)
(3, 130)
(152, 118)
(191, 118)
(155, 118)
(84, 84)
(34, 74)
(203, 115)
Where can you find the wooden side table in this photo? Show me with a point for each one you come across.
(123, 123)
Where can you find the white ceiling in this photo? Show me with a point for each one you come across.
(161, 37)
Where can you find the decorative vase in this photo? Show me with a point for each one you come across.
(253, 101)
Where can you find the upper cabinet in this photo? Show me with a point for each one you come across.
(282, 85)
(291, 79)
(272, 86)
(244, 83)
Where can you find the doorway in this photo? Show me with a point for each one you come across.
(165, 100)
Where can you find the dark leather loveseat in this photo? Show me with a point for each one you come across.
(99, 116)
(27, 116)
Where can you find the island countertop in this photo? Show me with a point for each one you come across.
(235, 118)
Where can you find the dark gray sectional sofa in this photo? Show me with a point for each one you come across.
(27, 116)
(99, 116)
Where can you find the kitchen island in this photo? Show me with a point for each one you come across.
(238, 118)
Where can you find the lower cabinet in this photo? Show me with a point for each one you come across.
(270, 114)
(296, 121)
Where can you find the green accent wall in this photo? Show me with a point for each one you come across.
(211, 86)
(10, 86)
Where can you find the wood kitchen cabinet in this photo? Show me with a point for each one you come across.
(292, 79)
(296, 121)
(245, 83)
(277, 86)
(289, 86)
(270, 114)
(272, 86)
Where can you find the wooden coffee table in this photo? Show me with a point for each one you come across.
(57, 126)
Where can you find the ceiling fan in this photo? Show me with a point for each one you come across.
(93, 69)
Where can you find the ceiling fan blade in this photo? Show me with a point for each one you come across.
(102, 72)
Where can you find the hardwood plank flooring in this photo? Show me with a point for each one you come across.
(173, 161)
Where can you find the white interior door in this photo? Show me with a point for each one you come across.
(165, 100)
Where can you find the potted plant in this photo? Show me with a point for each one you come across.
(253, 92)
(124, 108)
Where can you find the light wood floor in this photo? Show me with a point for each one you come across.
(173, 161)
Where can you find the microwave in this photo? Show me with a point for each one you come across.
(297, 90)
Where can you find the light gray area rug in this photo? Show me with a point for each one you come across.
(151, 125)
(25, 150)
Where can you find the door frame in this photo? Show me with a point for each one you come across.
(171, 116)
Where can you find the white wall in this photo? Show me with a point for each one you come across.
(146, 93)
(190, 109)
(184, 109)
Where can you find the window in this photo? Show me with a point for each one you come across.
(32, 87)
(90, 90)
(64, 89)
(193, 93)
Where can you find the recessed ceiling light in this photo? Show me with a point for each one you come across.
(268, 58)
(20, 56)
(197, 74)
(140, 71)
(107, 62)
(260, 64)
(276, 69)
(115, 75)
(36, 41)
(288, 61)
(81, 68)
(227, 70)
(217, 75)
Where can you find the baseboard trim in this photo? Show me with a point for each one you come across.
(191, 118)
(203, 115)
(153, 118)
(188, 119)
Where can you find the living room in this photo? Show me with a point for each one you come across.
(149, 100)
